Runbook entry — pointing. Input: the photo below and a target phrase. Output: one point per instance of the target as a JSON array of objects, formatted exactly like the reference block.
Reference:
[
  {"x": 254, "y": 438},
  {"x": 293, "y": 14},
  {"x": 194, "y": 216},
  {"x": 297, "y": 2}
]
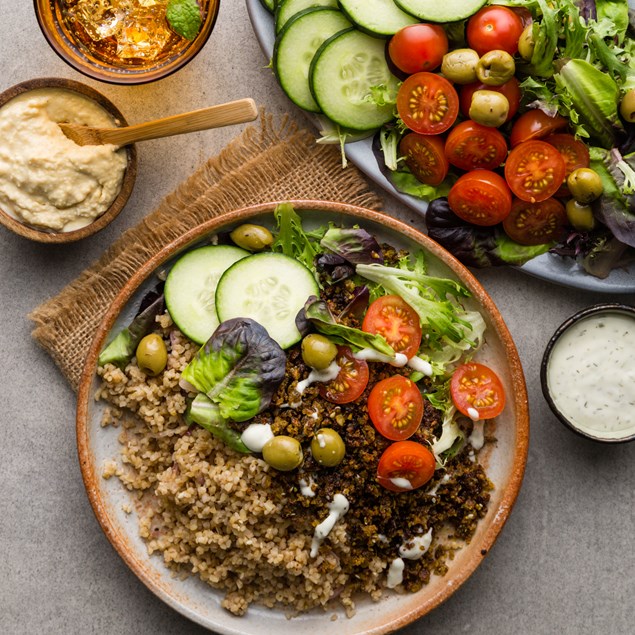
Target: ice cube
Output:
[
  {"x": 144, "y": 33},
  {"x": 100, "y": 18}
]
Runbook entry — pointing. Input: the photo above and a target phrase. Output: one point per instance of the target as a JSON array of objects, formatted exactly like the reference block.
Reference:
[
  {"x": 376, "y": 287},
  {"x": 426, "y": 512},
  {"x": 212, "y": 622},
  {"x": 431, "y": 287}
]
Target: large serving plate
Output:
[
  {"x": 504, "y": 460},
  {"x": 563, "y": 271}
]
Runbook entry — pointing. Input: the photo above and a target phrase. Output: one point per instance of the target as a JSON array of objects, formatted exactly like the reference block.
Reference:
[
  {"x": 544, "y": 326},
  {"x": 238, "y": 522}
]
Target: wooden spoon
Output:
[{"x": 233, "y": 112}]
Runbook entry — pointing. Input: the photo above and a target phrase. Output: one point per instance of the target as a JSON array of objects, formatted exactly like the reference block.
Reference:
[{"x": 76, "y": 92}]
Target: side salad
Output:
[
  {"x": 255, "y": 299},
  {"x": 515, "y": 119}
]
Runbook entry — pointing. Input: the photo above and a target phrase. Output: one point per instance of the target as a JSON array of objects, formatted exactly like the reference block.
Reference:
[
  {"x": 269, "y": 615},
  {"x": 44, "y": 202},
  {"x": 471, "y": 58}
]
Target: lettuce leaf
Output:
[{"x": 239, "y": 368}]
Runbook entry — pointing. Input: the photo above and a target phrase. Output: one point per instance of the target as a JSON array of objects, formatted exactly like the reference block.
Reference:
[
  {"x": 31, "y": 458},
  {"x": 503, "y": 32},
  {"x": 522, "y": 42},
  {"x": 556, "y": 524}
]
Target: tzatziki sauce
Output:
[{"x": 591, "y": 375}]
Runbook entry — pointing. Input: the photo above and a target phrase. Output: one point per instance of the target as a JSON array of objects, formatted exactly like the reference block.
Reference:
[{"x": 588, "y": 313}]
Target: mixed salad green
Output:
[{"x": 482, "y": 86}]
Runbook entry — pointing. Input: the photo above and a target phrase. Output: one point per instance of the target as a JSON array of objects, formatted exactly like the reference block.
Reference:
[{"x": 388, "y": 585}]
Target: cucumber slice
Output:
[
  {"x": 295, "y": 47},
  {"x": 190, "y": 289},
  {"x": 286, "y": 9},
  {"x": 381, "y": 18},
  {"x": 270, "y": 288},
  {"x": 441, "y": 10},
  {"x": 342, "y": 73},
  {"x": 270, "y": 5}
]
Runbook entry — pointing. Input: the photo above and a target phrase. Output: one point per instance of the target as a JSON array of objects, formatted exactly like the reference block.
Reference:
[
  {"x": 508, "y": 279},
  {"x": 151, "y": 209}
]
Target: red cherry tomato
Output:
[
  {"x": 534, "y": 171},
  {"x": 494, "y": 28},
  {"x": 480, "y": 197},
  {"x": 535, "y": 124},
  {"x": 405, "y": 465},
  {"x": 476, "y": 386},
  {"x": 418, "y": 47},
  {"x": 470, "y": 146},
  {"x": 575, "y": 155},
  {"x": 510, "y": 89},
  {"x": 427, "y": 103},
  {"x": 536, "y": 223},
  {"x": 397, "y": 322},
  {"x": 425, "y": 157},
  {"x": 351, "y": 381},
  {"x": 395, "y": 406}
]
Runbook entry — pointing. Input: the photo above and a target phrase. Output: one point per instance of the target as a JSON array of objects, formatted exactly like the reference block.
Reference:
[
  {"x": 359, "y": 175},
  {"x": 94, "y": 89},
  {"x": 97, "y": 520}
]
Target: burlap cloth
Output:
[{"x": 274, "y": 161}]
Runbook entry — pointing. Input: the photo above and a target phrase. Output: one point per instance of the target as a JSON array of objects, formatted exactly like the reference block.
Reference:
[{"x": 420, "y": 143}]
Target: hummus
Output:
[{"x": 47, "y": 180}]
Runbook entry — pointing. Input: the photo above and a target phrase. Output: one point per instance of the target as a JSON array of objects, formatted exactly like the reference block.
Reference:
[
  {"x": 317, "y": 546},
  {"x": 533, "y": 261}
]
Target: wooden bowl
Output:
[
  {"x": 505, "y": 460},
  {"x": 64, "y": 43},
  {"x": 44, "y": 236}
]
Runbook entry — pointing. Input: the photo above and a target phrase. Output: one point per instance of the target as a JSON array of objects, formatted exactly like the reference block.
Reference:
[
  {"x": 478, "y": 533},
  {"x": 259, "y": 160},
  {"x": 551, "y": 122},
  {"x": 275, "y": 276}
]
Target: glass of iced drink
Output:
[{"x": 127, "y": 41}]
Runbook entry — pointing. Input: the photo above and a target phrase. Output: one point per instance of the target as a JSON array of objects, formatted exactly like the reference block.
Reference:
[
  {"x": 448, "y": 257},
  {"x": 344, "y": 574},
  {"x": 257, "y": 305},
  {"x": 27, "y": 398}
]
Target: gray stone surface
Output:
[{"x": 563, "y": 564}]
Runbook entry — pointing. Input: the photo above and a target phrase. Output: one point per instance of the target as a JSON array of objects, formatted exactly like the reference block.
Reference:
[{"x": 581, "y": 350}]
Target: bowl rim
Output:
[
  {"x": 144, "y": 76},
  {"x": 582, "y": 314},
  {"x": 127, "y": 183},
  {"x": 351, "y": 212}
]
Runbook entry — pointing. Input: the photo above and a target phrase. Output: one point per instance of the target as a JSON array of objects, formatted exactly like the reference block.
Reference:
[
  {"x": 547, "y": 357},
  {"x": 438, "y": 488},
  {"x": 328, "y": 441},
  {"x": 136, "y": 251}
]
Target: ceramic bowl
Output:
[
  {"x": 44, "y": 236},
  {"x": 503, "y": 460},
  {"x": 549, "y": 391},
  {"x": 66, "y": 45}
]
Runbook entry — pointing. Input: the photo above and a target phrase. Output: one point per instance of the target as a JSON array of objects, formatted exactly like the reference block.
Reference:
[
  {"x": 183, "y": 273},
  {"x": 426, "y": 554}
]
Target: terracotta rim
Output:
[
  {"x": 91, "y": 478},
  {"x": 127, "y": 184},
  {"x": 65, "y": 48},
  {"x": 561, "y": 330}
]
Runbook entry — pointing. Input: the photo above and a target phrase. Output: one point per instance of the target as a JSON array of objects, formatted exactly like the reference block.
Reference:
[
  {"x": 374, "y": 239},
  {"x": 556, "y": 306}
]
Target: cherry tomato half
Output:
[
  {"x": 418, "y": 47},
  {"x": 351, "y": 380},
  {"x": 427, "y": 103},
  {"x": 395, "y": 406},
  {"x": 510, "y": 89},
  {"x": 575, "y": 155},
  {"x": 536, "y": 223},
  {"x": 480, "y": 197},
  {"x": 394, "y": 319},
  {"x": 476, "y": 386},
  {"x": 425, "y": 156},
  {"x": 405, "y": 465},
  {"x": 534, "y": 171},
  {"x": 535, "y": 124},
  {"x": 494, "y": 28},
  {"x": 470, "y": 146}
]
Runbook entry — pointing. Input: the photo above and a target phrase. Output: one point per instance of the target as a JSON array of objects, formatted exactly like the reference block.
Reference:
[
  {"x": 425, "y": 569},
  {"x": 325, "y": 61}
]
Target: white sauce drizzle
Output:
[
  {"x": 395, "y": 573},
  {"x": 472, "y": 413},
  {"x": 314, "y": 415},
  {"x": 382, "y": 538},
  {"x": 337, "y": 509},
  {"x": 420, "y": 365},
  {"x": 591, "y": 375},
  {"x": 326, "y": 375},
  {"x": 370, "y": 355},
  {"x": 414, "y": 548},
  {"x": 402, "y": 483},
  {"x": 306, "y": 487},
  {"x": 433, "y": 490},
  {"x": 256, "y": 435},
  {"x": 477, "y": 438}
]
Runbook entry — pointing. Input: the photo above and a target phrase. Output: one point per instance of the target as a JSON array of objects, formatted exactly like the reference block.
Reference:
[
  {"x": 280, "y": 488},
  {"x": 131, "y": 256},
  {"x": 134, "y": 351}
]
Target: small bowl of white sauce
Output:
[
  {"x": 588, "y": 373},
  {"x": 51, "y": 189}
]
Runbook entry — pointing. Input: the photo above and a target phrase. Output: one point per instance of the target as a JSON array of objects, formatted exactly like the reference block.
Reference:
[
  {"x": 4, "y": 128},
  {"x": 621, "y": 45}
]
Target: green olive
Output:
[
  {"x": 526, "y": 43},
  {"x": 460, "y": 66},
  {"x": 627, "y": 106},
  {"x": 318, "y": 351},
  {"x": 327, "y": 447},
  {"x": 152, "y": 355},
  {"x": 580, "y": 216},
  {"x": 489, "y": 108},
  {"x": 495, "y": 68},
  {"x": 252, "y": 237},
  {"x": 283, "y": 453},
  {"x": 585, "y": 185}
]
